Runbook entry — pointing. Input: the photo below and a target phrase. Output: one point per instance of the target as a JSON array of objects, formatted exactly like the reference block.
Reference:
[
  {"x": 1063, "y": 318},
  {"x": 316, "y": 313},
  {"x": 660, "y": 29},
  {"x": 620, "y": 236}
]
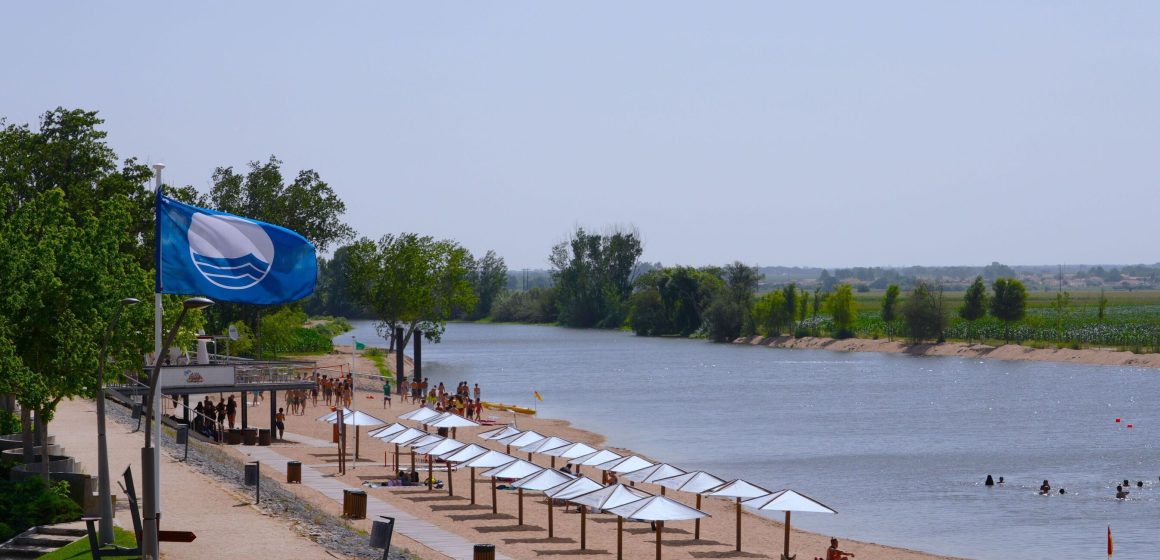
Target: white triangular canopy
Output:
[
  {"x": 388, "y": 430},
  {"x": 423, "y": 441},
  {"x": 737, "y": 489},
  {"x": 657, "y": 508},
  {"x": 625, "y": 464},
  {"x": 521, "y": 439},
  {"x": 787, "y": 500},
  {"x": 421, "y": 414},
  {"x": 610, "y": 497},
  {"x": 594, "y": 458},
  {"x": 694, "y": 482},
  {"x": 582, "y": 485},
  {"x": 546, "y": 444},
  {"x": 543, "y": 480},
  {"x": 440, "y": 447},
  {"x": 360, "y": 418},
  {"x": 654, "y": 473},
  {"x": 489, "y": 460},
  {"x": 449, "y": 420},
  {"x": 499, "y": 433},
  {"x": 464, "y": 454},
  {"x": 405, "y": 436},
  {"x": 571, "y": 451},
  {"x": 329, "y": 418},
  {"x": 516, "y": 469}
]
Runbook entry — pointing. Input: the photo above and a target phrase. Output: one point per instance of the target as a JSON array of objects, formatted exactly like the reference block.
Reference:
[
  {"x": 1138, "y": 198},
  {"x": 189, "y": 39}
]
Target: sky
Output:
[{"x": 771, "y": 133}]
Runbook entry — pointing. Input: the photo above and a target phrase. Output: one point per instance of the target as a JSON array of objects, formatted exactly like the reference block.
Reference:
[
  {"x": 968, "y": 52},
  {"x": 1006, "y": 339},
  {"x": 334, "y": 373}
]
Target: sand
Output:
[{"x": 1092, "y": 356}]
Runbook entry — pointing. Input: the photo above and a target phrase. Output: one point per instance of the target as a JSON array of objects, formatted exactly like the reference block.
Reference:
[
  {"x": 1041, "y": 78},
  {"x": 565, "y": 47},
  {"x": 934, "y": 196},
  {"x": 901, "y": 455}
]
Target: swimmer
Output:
[
  {"x": 1000, "y": 481},
  {"x": 990, "y": 481},
  {"x": 1120, "y": 493},
  {"x": 1062, "y": 491},
  {"x": 1139, "y": 484},
  {"x": 1044, "y": 489}
]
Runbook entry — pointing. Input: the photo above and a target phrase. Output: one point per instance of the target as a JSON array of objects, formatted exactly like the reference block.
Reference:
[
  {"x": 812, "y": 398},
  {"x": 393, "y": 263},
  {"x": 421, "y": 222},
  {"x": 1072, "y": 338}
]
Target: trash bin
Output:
[
  {"x": 182, "y": 435},
  {"x": 234, "y": 437},
  {"x": 250, "y": 436},
  {"x": 381, "y": 532},
  {"x": 354, "y": 504},
  {"x": 251, "y": 474},
  {"x": 294, "y": 472},
  {"x": 263, "y": 437},
  {"x": 484, "y": 552}
]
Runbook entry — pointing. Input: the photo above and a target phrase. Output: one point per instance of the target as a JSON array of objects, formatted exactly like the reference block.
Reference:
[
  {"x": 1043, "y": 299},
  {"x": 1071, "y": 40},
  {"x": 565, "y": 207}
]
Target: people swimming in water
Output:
[
  {"x": 1139, "y": 484},
  {"x": 990, "y": 481},
  {"x": 1121, "y": 494},
  {"x": 1000, "y": 481},
  {"x": 1044, "y": 489},
  {"x": 1062, "y": 491}
]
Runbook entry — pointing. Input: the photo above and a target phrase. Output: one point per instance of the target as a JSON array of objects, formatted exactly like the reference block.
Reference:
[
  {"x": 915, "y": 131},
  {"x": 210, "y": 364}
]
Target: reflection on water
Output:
[{"x": 899, "y": 445}]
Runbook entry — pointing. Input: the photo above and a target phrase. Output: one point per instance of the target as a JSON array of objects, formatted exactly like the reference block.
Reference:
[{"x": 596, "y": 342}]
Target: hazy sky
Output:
[{"x": 807, "y": 133}]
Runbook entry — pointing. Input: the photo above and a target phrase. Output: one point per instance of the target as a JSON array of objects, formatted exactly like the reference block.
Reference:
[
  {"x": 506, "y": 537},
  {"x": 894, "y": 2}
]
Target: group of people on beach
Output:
[
  {"x": 1045, "y": 488},
  {"x": 211, "y": 420},
  {"x": 336, "y": 391}
]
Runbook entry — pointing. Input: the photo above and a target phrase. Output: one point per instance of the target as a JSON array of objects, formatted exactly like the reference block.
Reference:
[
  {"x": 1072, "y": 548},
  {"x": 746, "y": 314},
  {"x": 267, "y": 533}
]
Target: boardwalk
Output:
[{"x": 406, "y": 524}]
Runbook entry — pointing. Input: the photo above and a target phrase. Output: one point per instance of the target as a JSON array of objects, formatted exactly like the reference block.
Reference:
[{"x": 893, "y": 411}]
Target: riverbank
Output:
[
  {"x": 1089, "y": 356},
  {"x": 762, "y": 537}
]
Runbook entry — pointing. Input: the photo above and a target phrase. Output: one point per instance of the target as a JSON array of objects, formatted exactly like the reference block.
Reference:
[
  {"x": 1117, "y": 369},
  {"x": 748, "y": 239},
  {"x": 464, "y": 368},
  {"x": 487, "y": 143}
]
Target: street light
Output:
[
  {"x": 105, "y": 499},
  {"x": 150, "y": 547}
]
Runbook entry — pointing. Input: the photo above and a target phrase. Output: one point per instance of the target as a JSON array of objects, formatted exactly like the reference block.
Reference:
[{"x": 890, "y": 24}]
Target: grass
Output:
[{"x": 80, "y": 550}]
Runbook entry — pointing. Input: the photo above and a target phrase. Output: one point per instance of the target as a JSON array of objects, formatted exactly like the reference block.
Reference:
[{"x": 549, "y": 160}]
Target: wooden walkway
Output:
[{"x": 416, "y": 529}]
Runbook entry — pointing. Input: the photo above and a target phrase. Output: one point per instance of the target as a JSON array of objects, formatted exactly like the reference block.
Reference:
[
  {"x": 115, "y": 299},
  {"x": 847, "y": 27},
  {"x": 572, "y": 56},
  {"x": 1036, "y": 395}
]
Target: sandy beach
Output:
[{"x": 1090, "y": 356}]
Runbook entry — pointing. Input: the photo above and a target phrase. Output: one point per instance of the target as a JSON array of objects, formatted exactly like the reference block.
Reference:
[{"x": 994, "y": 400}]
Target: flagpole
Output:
[{"x": 157, "y": 312}]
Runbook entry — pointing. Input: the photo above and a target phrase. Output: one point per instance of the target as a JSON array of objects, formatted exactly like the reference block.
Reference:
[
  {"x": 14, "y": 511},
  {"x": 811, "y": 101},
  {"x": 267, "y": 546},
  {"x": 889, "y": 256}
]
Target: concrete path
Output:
[{"x": 406, "y": 524}]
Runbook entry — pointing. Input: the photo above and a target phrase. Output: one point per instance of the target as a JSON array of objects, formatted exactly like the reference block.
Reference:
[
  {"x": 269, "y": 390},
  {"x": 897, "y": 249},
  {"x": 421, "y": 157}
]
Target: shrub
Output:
[{"x": 30, "y": 502}]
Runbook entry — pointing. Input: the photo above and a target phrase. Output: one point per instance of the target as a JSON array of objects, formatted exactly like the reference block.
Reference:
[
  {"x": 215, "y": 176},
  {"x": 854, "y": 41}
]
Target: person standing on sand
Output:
[
  {"x": 386, "y": 393},
  {"x": 475, "y": 392},
  {"x": 280, "y": 423}
]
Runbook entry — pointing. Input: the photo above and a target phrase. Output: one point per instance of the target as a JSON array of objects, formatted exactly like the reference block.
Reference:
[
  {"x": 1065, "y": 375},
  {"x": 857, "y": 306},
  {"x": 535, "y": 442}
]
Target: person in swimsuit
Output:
[
  {"x": 1044, "y": 489},
  {"x": 835, "y": 553}
]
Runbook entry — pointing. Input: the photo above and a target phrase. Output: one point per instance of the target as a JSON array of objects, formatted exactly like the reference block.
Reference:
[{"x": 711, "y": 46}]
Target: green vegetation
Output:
[
  {"x": 379, "y": 358},
  {"x": 80, "y": 550},
  {"x": 594, "y": 278},
  {"x": 32, "y": 501}
]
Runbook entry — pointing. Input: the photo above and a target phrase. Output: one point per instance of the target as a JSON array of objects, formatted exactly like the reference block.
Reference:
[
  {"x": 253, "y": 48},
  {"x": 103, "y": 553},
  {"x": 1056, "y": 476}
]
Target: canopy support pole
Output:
[
  {"x": 550, "y": 528},
  {"x": 787, "y": 534},
  {"x": 697, "y": 523},
  {"x": 619, "y": 538},
  {"x": 738, "y": 524},
  {"x": 494, "y": 508},
  {"x": 521, "y": 508},
  {"x": 583, "y": 527},
  {"x": 660, "y": 527},
  {"x": 472, "y": 485}
]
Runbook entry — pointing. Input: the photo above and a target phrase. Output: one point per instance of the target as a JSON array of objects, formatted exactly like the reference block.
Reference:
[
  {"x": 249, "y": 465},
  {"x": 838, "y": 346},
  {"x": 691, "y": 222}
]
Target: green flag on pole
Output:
[{"x": 359, "y": 346}]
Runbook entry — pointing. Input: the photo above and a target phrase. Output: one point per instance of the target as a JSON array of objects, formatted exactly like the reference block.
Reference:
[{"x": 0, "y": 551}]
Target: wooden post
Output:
[
  {"x": 399, "y": 362},
  {"x": 697, "y": 523},
  {"x": 787, "y": 534},
  {"x": 494, "y": 508},
  {"x": 521, "y": 508},
  {"x": 550, "y": 531},
  {"x": 619, "y": 538},
  {"x": 450, "y": 479},
  {"x": 660, "y": 527},
  {"x": 472, "y": 485},
  {"x": 583, "y": 527},
  {"x": 739, "y": 524}
]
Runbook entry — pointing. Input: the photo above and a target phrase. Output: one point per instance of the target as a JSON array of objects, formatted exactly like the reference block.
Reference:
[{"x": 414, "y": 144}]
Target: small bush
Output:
[{"x": 30, "y": 502}]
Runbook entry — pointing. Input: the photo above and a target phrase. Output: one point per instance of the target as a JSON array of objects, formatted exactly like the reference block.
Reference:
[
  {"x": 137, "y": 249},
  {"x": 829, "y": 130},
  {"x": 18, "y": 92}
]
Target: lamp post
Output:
[
  {"x": 150, "y": 484},
  {"x": 104, "y": 498}
]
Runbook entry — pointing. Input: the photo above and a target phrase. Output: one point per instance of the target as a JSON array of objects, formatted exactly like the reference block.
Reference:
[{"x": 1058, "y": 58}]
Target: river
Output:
[{"x": 898, "y": 444}]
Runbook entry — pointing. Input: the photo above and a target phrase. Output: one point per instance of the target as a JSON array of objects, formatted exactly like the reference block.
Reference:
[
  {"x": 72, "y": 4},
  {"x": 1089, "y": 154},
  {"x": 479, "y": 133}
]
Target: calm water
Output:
[{"x": 899, "y": 445}]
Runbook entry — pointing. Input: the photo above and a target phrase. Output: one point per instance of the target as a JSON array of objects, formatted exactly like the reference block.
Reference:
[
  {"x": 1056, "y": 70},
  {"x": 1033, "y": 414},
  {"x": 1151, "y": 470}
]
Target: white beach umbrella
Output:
[
  {"x": 546, "y": 444},
  {"x": 406, "y": 436},
  {"x": 594, "y": 458},
  {"x": 657, "y": 509},
  {"x": 433, "y": 449},
  {"x": 580, "y": 486},
  {"x": 449, "y": 420},
  {"x": 358, "y": 419},
  {"x": 499, "y": 433},
  {"x": 696, "y": 482},
  {"x": 465, "y": 453},
  {"x": 540, "y": 481},
  {"x": 741, "y": 490},
  {"x": 514, "y": 470},
  {"x": 488, "y": 460},
  {"x": 425, "y": 440},
  {"x": 570, "y": 451},
  {"x": 521, "y": 439},
  {"x": 651, "y": 474},
  {"x": 420, "y": 415},
  {"x": 606, "y": 497},
  {"x": 787, "y": 501},
  {"x": 388, "y": 430},
  {"x": 625, "y": 464}
]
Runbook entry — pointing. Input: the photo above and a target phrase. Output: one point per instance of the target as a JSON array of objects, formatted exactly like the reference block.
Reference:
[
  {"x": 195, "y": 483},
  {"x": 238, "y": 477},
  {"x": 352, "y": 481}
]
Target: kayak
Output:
[{"x": 511, "y": 407}]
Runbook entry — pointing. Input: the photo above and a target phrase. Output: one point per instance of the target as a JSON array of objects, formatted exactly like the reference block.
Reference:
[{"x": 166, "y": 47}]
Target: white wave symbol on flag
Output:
[{"x": 230, "y": 252}]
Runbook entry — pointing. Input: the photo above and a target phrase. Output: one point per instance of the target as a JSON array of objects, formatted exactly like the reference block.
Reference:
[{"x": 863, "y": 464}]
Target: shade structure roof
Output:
[
  {"x": 423, "y": 441},
  {"x": 543, "y": 480},
  {"x": 440, "y": 447},
  {"x": 737, "y": 489},
  {"x": 329, "y": 417},
  {"x": 360, "y": 418},
  {"x": 388, "y": 430},
  {"x": 521, "y": 439},
  {"x": 653, "y": 473},
  {"x": 695, "y": 482},
  {"x": 582, "y": 485},
  {"x": 462, "y": 454},
  {"x": 625, "y": 464},
  {"x": 546, "y": 444},
  {"x": 610, "y": 496},
  {"x": 449, "y": 420},
  {"x": 516, "y": 469},
  {"x": 421, "y": 414},
  {"x": 489, "y": 460},
  {"x": 570, "y": 451},
  {"x": 787, "y": 500},
  {"x": 657, "y": 508},
  {"x": 499, "y": 433},
  {"x": 594, "y": 458},
  {"x": 405, "y": 436}
]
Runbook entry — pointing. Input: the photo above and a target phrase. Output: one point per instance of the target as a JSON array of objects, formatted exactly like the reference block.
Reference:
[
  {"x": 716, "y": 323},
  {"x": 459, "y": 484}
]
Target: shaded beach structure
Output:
[
  {"x": 515, "y": 470},
  {"x": 433, "y": 451},
  {"x": 787, "y": 501},
  {"x": 740, "y": 490},
  {"x": 608, "y": 497},
  {"x": 542, "y": 481},
  {"x": 463, "y": 454},
  {"x": 521, "y": 439},
  {"x": 653, "y": 473},
  {"x": 544, "y": 445},
  {"x": 488, "y": 460},
  {"x": 696, "y": 482},
  {"x": 656, "y": 509}
]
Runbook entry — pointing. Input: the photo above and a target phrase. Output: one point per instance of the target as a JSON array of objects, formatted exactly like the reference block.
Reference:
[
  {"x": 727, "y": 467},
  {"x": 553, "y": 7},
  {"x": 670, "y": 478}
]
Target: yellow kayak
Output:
[{"x": 511, "y": 407}]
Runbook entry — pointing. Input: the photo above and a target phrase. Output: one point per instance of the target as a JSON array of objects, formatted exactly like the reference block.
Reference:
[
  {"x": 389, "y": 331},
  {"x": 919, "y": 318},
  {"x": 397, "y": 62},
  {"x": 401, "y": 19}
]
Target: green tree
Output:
[
  {"x": 724, "y": 319},
  {"x": 410, "y": 281},
  {"x": 1103, "y": 306},
  {"x": 922, "y": 313},
  {"x": 488, "y": 277},
  {"x": 1009, "y": 303},
  {"x": 769, "y": 314},
  {"x": 790, "y": 295},
  {"x": 649, "y": 316},
  {"x": 684, "y": 292},
  {"x": 593, "y": 276},
  {"x": 889, "y": 309},
  {"x": 843, "y": 311},
  {"x": 974, "y": 304}
]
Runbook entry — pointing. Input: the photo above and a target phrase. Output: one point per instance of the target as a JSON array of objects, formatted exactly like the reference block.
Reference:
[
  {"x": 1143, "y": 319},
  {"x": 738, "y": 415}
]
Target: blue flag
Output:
[{"x": 229, "y": 258}]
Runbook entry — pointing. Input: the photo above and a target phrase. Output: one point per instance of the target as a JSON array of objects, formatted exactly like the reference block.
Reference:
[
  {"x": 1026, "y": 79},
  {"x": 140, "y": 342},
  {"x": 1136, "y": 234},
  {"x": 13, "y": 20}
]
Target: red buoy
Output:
[
  {"x": 1129, "y": 425},
  {"x": 1117, "y": 420}
]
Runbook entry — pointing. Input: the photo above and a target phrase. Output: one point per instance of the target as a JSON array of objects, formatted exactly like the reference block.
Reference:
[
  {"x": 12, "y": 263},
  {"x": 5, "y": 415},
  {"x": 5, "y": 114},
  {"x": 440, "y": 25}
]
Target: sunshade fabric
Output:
[
  {"x": 737, "y": 489},
  {"x": 448, "y": 420},
  {"x": 421, "y": 414},
  {"x": 625, "y": 464},
  {"x": 426, "y": 440},
  {"x": 582, "y": 485},
  {"x": 441, "y": 447},
  {"x": 594, "y": 458},
  {"x": 516, "y": 469},
  {"x": 521, "y": 439},
  {"x": 610, "y": 497},
  {"x": 489, "y": 460},
  {"x": 543, "y": 480},
  {"x": 570, "y": 451},
  {"x": 657, "y": 508},
  {"x": 499, "y": 433},
  {"x": 462, "y": 454},
  {"x": 695, "y": 482},
  {"x": 360, "y": 418},
  {"x": 787, "y": 500},
  {"x": 387, "y": 430},
  {"x": 546, "y": 444},
  {"x": 406, "y": 436},
  {"x": 653, "y": 473}
]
